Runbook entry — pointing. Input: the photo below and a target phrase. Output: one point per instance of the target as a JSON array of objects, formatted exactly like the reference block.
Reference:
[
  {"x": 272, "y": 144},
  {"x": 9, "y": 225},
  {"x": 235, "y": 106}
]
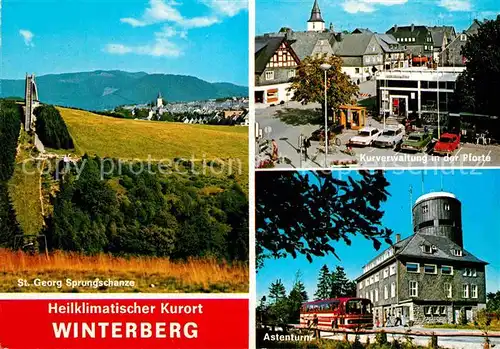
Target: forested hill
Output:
[{"x": 100, "y": 89}]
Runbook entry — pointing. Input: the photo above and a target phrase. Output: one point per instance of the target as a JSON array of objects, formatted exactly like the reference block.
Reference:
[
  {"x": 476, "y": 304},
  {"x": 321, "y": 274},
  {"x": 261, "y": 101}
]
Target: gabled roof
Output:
[
  {"x": 361, "y": 31},
  {"x": 354, "y": 45},
  {"x": 388, "y": 43},
  {"x": 303, "y": 43},
  {"x": 265, "y": 47}
]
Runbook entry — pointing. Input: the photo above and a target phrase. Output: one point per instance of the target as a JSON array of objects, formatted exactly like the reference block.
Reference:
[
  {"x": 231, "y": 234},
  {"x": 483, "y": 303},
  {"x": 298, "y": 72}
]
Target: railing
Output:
[{"x": 433, "y": 334}]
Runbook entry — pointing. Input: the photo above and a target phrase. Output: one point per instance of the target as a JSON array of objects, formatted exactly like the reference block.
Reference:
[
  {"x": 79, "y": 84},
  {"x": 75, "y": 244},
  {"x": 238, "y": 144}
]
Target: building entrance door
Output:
[{"x": 399, "y": 106}]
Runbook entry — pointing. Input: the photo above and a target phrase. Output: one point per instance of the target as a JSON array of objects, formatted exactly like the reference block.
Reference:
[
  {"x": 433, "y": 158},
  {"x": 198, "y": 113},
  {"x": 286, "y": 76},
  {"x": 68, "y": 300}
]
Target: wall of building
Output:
[
  {"x": 281, "y": 75},
  {"x": 283, "y": 93}
]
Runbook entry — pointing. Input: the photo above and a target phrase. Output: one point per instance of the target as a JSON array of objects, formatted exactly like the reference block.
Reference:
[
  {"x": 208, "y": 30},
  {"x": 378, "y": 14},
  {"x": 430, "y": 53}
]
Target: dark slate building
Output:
[
  {"x": 428, "y": 277},
  {"x": 417, "y": 40},
  {"x": 452, "y": 54}
]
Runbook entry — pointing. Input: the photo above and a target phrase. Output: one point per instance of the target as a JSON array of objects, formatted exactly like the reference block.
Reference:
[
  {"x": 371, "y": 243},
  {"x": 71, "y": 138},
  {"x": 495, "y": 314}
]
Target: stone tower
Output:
[
  {"x": 316, "y": 22},
  {"x": 31, "y": 102},
  {"x": 159, "y": 100}
]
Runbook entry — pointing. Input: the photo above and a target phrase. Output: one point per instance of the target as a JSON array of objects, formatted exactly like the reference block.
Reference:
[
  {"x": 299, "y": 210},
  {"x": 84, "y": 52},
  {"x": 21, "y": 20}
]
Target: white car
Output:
[
  {"x": 365, "y": 136},
  {"x": 391, "y": 136}
]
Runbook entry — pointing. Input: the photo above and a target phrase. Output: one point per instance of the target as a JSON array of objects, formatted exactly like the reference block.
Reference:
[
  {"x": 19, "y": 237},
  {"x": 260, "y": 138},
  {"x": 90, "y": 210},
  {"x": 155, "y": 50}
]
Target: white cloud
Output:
[
  {"x": 353, "y": 6},
  {"x": 162, "y": 46},
  {"x": 28, "y": 37},
  {"x": 456, "y": 5},
  {"x": 159, "y": 11},
  {"x": 227, "y": 7},
  {"x": 366, "y": 6}
]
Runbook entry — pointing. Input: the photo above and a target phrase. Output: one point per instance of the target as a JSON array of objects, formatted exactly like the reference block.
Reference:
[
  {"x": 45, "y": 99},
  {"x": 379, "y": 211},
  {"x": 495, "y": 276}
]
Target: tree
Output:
[
  {"x": 493, "y": 301},
  {"x": 308, "y": 213},
  {"x": 297, "y": 296},
  {"x": 340, "y": 283},
  {"x": 324, "y": 287},
  {"x": 477, "y": 86},
  {"x": 277, "y": 291},
  {"x": 309, "y": 83}
]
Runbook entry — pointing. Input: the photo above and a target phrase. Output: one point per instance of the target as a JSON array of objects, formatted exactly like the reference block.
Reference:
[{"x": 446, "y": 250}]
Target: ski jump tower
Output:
[{"x": 31, "y": 102}]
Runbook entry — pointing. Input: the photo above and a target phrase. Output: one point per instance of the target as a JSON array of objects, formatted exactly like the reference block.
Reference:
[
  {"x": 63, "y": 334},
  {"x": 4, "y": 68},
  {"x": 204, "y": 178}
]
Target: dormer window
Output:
[
  {"x": 463, "y": 37},
  {"x": 425, "y": 209},
  {"x": 427, "y": 249},
  {"x": 457, "y": 252},
  {"x": 447, "y": 207}
]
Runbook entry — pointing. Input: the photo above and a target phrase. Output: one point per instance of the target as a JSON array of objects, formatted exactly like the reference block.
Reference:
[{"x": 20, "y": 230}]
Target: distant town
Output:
[
  {"x": 222, "y": 111},
  {"x": 408, "y": 89}
]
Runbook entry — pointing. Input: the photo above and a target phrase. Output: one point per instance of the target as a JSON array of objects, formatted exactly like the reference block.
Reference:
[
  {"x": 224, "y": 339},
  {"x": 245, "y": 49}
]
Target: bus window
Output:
[{"x": 358, "y": 306}]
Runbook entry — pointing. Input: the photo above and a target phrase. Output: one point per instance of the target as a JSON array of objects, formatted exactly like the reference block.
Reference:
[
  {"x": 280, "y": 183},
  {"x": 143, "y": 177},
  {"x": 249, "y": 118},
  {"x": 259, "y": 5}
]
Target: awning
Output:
[{"x": 419, "y": 59}]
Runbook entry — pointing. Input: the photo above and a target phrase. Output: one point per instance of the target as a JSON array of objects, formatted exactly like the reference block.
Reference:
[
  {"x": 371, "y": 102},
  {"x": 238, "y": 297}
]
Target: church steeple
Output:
[{"x": 316, "y": 22}]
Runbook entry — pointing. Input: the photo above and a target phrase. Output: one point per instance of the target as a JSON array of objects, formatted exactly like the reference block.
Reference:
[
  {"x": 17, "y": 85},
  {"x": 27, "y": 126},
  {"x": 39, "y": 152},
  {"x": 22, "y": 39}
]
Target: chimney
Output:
[
  {"x": 412, "y": 27},
  {"x": 398, "y": 238},
  {"x": 339, "y": 36},
  {"x": 331, "y": 27},
  {"x": 395, "y": 27}
]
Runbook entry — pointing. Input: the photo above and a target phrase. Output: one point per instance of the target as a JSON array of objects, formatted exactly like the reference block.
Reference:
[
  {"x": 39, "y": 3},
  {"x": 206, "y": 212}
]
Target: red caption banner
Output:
[{"x": 123, "y": 324}]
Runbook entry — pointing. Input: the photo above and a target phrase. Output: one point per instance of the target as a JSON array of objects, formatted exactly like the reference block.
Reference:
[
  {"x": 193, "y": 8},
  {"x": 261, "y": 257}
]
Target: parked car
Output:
[
  {"x": 417, "y": 141},
  {"x": 391, "y": 136},
  {"x": 365, "y": 136},
  {"x": 446, "y": 144},
  {"x": 332, "y": 131}
]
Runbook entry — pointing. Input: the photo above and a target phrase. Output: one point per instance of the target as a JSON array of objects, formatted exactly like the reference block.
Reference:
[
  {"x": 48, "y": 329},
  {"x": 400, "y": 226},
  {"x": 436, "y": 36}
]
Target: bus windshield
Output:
[
  {"x": 321, "y": 306},
  {"x": 358, "y": 306}
]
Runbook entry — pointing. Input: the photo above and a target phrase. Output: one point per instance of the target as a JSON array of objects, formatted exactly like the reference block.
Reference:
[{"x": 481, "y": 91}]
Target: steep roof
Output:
[
  {"x": 316, "y": 13},
  {"x": 303, "y": 43},
  {"x": 361, "y": 31},
  {"x": 265, "y": 47},
  {"x": 353, "y": 45},
  {"x": 388, "y": 43}
]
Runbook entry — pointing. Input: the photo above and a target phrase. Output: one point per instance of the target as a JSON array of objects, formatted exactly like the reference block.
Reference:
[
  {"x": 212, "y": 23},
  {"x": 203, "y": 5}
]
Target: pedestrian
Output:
[
  {"x": 398, "y": 319},
  {"x": 306, "y": 143},
  {"x": 274, "y": 155}
]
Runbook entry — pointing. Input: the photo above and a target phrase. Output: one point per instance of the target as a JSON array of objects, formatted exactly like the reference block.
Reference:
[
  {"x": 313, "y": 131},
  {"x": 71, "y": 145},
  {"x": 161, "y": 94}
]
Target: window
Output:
[
  {"x": 470, "y": 272},
  {"x": 376, "y": 295},
  {"x": 447, "y": 207},
  {"x": 463, "y": 37},
  {"x": 413, "y": 289},
  {"x": 393, "y": 290},
  {"x": 446, "y": 270},
  {"x": 412, "y": 267},
  {"x": 437, "y": 310},
  {"x": 427, "y": 249},
  {"x": 448, "y": 290},
  {"x": 367, "y": 282},
  {"x": 371, "y": 295},
  {"x": 465, "y": 291},
  {"x": 386, "y": 273},
  {"x": 371, "y": 280},
  {"x": 457, "y": 252},
  {"x": 361, "y": 285},
  {"x": 428, "y": 310},
  {"x": 356, "y": 70},
  {"x": 291, "y": 73},
  {"x": 443, "y": 310},
  {"x": 392, "y": 269},
  {"x": 377, "y": 277},
  {"x": 366, "y": 295},
  {"x": 473, "y": 291},
  {"x": 430, "y": 269},
  {"x": 269, "y": 75},
  {"x": 386, "y": 291},
  {"x": 425, "y": 209}
]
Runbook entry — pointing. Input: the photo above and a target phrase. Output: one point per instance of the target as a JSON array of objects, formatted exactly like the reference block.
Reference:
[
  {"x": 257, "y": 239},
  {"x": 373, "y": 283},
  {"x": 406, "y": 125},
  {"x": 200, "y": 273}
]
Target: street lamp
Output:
[
  {"x": 439, "y": 74},
  {"x": 325, "y": 67}
]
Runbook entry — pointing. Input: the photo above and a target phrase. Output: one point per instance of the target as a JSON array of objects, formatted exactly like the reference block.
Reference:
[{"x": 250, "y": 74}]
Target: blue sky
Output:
[
  {"x": 479, "y": 192},
  {"x": 204, "y": 38},
  {"x": 378, "y": 15}
]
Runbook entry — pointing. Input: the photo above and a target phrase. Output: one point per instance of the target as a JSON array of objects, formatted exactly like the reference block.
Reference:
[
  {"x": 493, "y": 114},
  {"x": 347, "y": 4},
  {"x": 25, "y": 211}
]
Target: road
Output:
[
  {"x": 285, "y": 127},
  {"x": 446, "y": 342}
]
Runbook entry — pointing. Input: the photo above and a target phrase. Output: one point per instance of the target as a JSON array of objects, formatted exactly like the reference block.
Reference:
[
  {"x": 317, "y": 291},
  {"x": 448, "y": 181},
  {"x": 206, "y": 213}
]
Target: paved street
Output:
[
  {"x": 446, "y": 342},
  {"x": 285, "y": 125}
]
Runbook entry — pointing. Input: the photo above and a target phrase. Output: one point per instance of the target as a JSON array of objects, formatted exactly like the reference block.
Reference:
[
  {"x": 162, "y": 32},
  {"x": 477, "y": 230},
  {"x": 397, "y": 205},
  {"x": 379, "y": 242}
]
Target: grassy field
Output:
[
  {"x": 138, "y": 139},
  {"x": 24, "y": 189},
  {"x": 149, "y": 274}
]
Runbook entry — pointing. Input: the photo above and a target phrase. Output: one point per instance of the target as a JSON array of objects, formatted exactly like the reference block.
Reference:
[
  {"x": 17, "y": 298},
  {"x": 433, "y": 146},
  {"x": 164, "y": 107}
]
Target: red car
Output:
[{"x": 447, "y": 144}]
